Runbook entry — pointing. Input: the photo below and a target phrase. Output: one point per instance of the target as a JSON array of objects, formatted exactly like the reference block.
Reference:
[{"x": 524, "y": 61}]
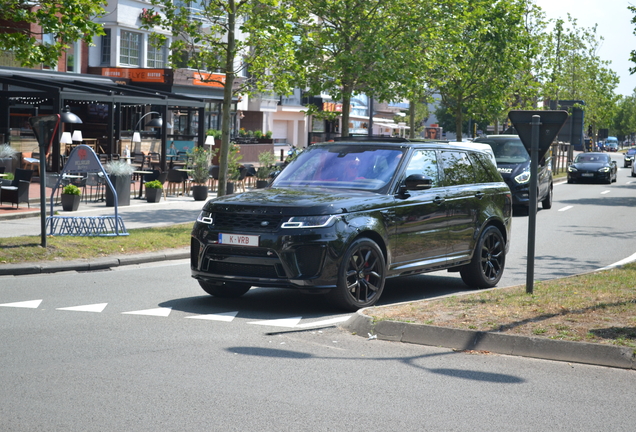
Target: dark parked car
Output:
[
  {"x": 628, "y": 157},
  {"x": 592, "y": 167},
  {"x": 513, "y": 163},
  {"x": 344, "y": 216}
]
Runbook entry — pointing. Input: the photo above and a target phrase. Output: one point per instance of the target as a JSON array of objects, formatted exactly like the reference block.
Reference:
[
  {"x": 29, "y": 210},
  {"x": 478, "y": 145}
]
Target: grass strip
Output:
[{"x": 25, "y": 249}]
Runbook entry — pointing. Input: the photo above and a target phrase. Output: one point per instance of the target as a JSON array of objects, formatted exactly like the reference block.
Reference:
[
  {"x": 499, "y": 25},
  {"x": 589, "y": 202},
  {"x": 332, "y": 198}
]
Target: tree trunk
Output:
[
  {"x": 346, "y": 108},
  {"x": 412, "y": 104},
  {"x": 227, "y": 97},
  {"x": 458, "y": 119}
]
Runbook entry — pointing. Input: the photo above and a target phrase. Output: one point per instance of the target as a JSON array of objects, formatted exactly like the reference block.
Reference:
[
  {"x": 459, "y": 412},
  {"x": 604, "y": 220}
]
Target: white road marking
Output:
[
  {"x": 620, "y": 263},
  {"x": 605, "y": 192},
  {"x": 566, "y": 208},
  {"x": 31, "y": 304},
  {"x": 224, "y": 316},
  {"x": 162, "y": 312},
  {"x": 282, "y": 322},
  {"x": 324, "y": 322},
  {"x": 98, "y": 307}
]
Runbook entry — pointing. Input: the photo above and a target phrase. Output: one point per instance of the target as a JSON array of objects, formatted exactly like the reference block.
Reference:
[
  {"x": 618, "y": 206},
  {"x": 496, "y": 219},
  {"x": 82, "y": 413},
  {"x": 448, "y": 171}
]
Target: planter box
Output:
[
  {"x": 260, "y": 184},
  {"x": 153, "y": 194},
  {"x": 122, "y": 187},
  {"x": 70, "y": 202},
  {"x": 200, "y": 192}
]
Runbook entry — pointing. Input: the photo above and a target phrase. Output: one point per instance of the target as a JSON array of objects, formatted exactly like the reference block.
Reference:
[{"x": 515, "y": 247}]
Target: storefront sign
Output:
[
  {"x": 208, "y": 79},
  {"x": 332, "y": 106},
  {"x": 136, "y": 75}
]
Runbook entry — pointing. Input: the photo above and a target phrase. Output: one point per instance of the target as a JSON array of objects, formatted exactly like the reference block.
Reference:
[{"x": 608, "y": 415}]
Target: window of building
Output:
[
  {"x": 156, "y": 56},
  {"x": 106, "y": 48},
  {"x": 130, "y": 48}
]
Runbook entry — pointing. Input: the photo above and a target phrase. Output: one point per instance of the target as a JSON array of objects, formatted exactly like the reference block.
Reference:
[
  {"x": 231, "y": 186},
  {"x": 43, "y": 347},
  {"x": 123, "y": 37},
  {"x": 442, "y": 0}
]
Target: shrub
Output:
[
  {"x": 6, "y": 151},
  {"x": 267, "y": 159},
  {"x": 154, "y": 184},
  {"x": 71, "y": 190},
  {"x": 119, "y": 168}
]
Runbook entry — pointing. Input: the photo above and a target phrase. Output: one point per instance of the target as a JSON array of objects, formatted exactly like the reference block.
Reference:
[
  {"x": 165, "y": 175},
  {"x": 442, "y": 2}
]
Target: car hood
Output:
[
  {"x": 589, "y": 166},
  {"x": 290, "y": 201},
  {"x": 510, "y": 171}
]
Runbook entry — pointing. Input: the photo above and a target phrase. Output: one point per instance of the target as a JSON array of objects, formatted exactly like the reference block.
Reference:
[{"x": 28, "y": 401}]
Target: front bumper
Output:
[
  {"x": 287, "y": 258},
  {"x": 583, "y": 176}
]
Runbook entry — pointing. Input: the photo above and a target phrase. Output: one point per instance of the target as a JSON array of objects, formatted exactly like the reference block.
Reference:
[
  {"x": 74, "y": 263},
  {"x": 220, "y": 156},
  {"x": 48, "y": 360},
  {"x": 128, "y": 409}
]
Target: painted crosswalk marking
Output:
[
  {"x": 223, "y": 316},
  {"x": 324, "y": 322},
  {"x": 281, "y": 322},
  {"x": 98, "y": 307},
  {"x": 161, "y": 312},
  {"x": 30, "y": 304}
]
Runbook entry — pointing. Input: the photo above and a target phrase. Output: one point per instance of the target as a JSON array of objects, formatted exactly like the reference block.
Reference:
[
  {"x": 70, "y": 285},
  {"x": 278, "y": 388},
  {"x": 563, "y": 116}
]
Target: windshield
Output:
[
  {"x": 591, "y": 158},
  {"x": 509, "y": 151},
  {"x": 342, "y": 166}
]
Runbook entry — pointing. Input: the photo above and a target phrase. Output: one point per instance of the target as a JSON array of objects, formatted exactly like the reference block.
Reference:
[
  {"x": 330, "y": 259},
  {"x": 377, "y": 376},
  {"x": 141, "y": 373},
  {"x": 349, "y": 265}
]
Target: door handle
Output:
[
  {"x": 479, "y": 195},
  {"x": 439, "y": 200}
]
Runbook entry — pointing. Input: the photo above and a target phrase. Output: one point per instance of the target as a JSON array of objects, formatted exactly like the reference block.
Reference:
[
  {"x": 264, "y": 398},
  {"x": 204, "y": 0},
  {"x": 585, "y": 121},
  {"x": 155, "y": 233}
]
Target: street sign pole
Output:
[
  {"x": 532, "y": 208},
  {"x": 537, "y": 130}
]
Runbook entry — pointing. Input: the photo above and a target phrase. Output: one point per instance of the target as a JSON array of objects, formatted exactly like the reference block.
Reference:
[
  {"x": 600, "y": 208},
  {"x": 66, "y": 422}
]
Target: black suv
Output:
[
  {"x": 344, "y": 216},
  {"x": 513, "y": 163}
]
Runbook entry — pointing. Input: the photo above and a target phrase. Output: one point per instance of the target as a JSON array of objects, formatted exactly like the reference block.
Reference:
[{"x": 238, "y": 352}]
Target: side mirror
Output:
[{"x": 418, "y": 182}]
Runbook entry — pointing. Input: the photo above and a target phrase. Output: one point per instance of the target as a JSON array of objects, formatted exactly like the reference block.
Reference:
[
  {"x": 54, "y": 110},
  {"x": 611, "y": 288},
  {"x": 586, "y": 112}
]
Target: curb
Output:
[
  {"x": 97, "y": 264},
  {"x": 547, "y": 349}
]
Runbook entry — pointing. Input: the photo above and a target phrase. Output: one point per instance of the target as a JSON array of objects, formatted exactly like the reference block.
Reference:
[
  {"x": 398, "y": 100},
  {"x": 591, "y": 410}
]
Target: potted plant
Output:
[
  {"x": 119, "y": 173},
  {"x": 258, "y": 134},
  {"x": 7, "y": 157},
  {"x": 200, "y": 172},
  {"x": 266, "y": 159},
  {"x": 233, "y": 166},
  {"x": 71, "y": 197},
  {"x": 154, "y": 190}
]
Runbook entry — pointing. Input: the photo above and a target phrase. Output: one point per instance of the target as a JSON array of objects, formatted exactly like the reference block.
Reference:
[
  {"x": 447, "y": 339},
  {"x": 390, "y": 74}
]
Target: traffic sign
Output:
[{"x": 551, "y": 124}]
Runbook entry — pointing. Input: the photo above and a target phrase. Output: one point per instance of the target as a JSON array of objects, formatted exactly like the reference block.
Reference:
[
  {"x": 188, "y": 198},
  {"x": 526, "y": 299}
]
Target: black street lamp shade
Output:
[
  {"x": 155, "y": 122},
  {"x": 68, "y": 117}
]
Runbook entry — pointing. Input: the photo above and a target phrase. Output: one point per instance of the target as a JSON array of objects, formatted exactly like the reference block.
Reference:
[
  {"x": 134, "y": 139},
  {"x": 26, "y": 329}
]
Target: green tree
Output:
[
  {"x": 570, "y": 69},
  {"x": 353, "y": 46},
  {"x": 483, "y": 51},
  {"x": 249, "y": 41},
  {"x": 22, "y": 24},
  {"x": 625, "y": 119}
]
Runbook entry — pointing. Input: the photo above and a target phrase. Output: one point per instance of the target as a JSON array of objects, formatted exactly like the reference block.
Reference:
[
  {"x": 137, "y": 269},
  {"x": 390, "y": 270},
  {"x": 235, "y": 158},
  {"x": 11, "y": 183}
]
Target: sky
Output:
[{"x": 614, "y": 25}]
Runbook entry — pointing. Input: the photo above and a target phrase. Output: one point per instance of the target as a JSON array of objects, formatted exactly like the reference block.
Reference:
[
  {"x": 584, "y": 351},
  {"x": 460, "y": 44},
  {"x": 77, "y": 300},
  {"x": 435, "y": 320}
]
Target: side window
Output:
[
  {"x": 424, "y": 162},
  {"x": 485, "y": 170},
  {"x": 457, "y": 168}
]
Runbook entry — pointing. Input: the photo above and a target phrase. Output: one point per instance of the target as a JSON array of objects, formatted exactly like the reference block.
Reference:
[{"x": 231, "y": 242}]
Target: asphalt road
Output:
[{"x": 143, "y": 348}]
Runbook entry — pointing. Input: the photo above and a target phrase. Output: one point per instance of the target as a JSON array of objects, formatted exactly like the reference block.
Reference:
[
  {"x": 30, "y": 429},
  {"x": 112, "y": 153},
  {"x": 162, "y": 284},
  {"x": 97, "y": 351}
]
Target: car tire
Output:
[
  {"x": 546, "y": 204},
  {"x": 488, "y": 262},
  {"x": 225, "y": 290},
  {"x": 361, "y": 276}
]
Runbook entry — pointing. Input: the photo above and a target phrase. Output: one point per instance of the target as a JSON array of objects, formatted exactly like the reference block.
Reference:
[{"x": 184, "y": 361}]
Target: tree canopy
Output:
[{"x": 22, "y": 24}]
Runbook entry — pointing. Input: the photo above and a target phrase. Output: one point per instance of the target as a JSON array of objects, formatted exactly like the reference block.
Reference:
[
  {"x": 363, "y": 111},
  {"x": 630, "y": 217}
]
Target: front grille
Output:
[
  {"x": 248, "y": 270},
  {"x": 236, "y": 251},
  {"x": 248, "y": 222}
]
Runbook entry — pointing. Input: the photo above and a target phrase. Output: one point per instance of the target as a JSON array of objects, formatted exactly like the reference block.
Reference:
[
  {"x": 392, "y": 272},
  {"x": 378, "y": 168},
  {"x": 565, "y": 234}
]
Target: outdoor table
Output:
[
  {"x": 141, "y": 181},
  {"x": 4, "y": 175}
]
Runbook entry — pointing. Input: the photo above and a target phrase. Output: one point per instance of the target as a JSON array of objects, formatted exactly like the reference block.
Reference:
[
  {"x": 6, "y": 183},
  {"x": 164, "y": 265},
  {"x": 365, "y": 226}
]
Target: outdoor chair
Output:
[
  {"x": 176, "y": 178},
  {"x": 97, "y": 182},
  {"x": 18, "y": 189},
  {"x": 213, "y": 171}
]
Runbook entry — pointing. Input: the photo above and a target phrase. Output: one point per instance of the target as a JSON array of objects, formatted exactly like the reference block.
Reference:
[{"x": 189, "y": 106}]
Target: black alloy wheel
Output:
[
  {"x": 360, "y": 276},
  {"x": 546, "y": 204},
  {"x": 487, "y": 266},
  {"x": 225, "y": 290}
]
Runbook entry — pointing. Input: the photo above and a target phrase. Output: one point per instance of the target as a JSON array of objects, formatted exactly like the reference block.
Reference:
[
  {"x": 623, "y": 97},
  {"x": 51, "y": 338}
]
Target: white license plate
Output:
[
  {"x": 587, "y": 175},
  {"x": 238, "y": 239}
]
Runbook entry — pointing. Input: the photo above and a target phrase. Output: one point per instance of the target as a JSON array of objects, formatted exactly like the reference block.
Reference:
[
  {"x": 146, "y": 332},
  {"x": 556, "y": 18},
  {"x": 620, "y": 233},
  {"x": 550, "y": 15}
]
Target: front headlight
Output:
[
  {"x": 205, "y": 217},
  {"x": 572, "y": 169},
  {"x": 524, "y": 177},
  {"x": 604, "y": 169},
  {"x": 309, "y": 221}
]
